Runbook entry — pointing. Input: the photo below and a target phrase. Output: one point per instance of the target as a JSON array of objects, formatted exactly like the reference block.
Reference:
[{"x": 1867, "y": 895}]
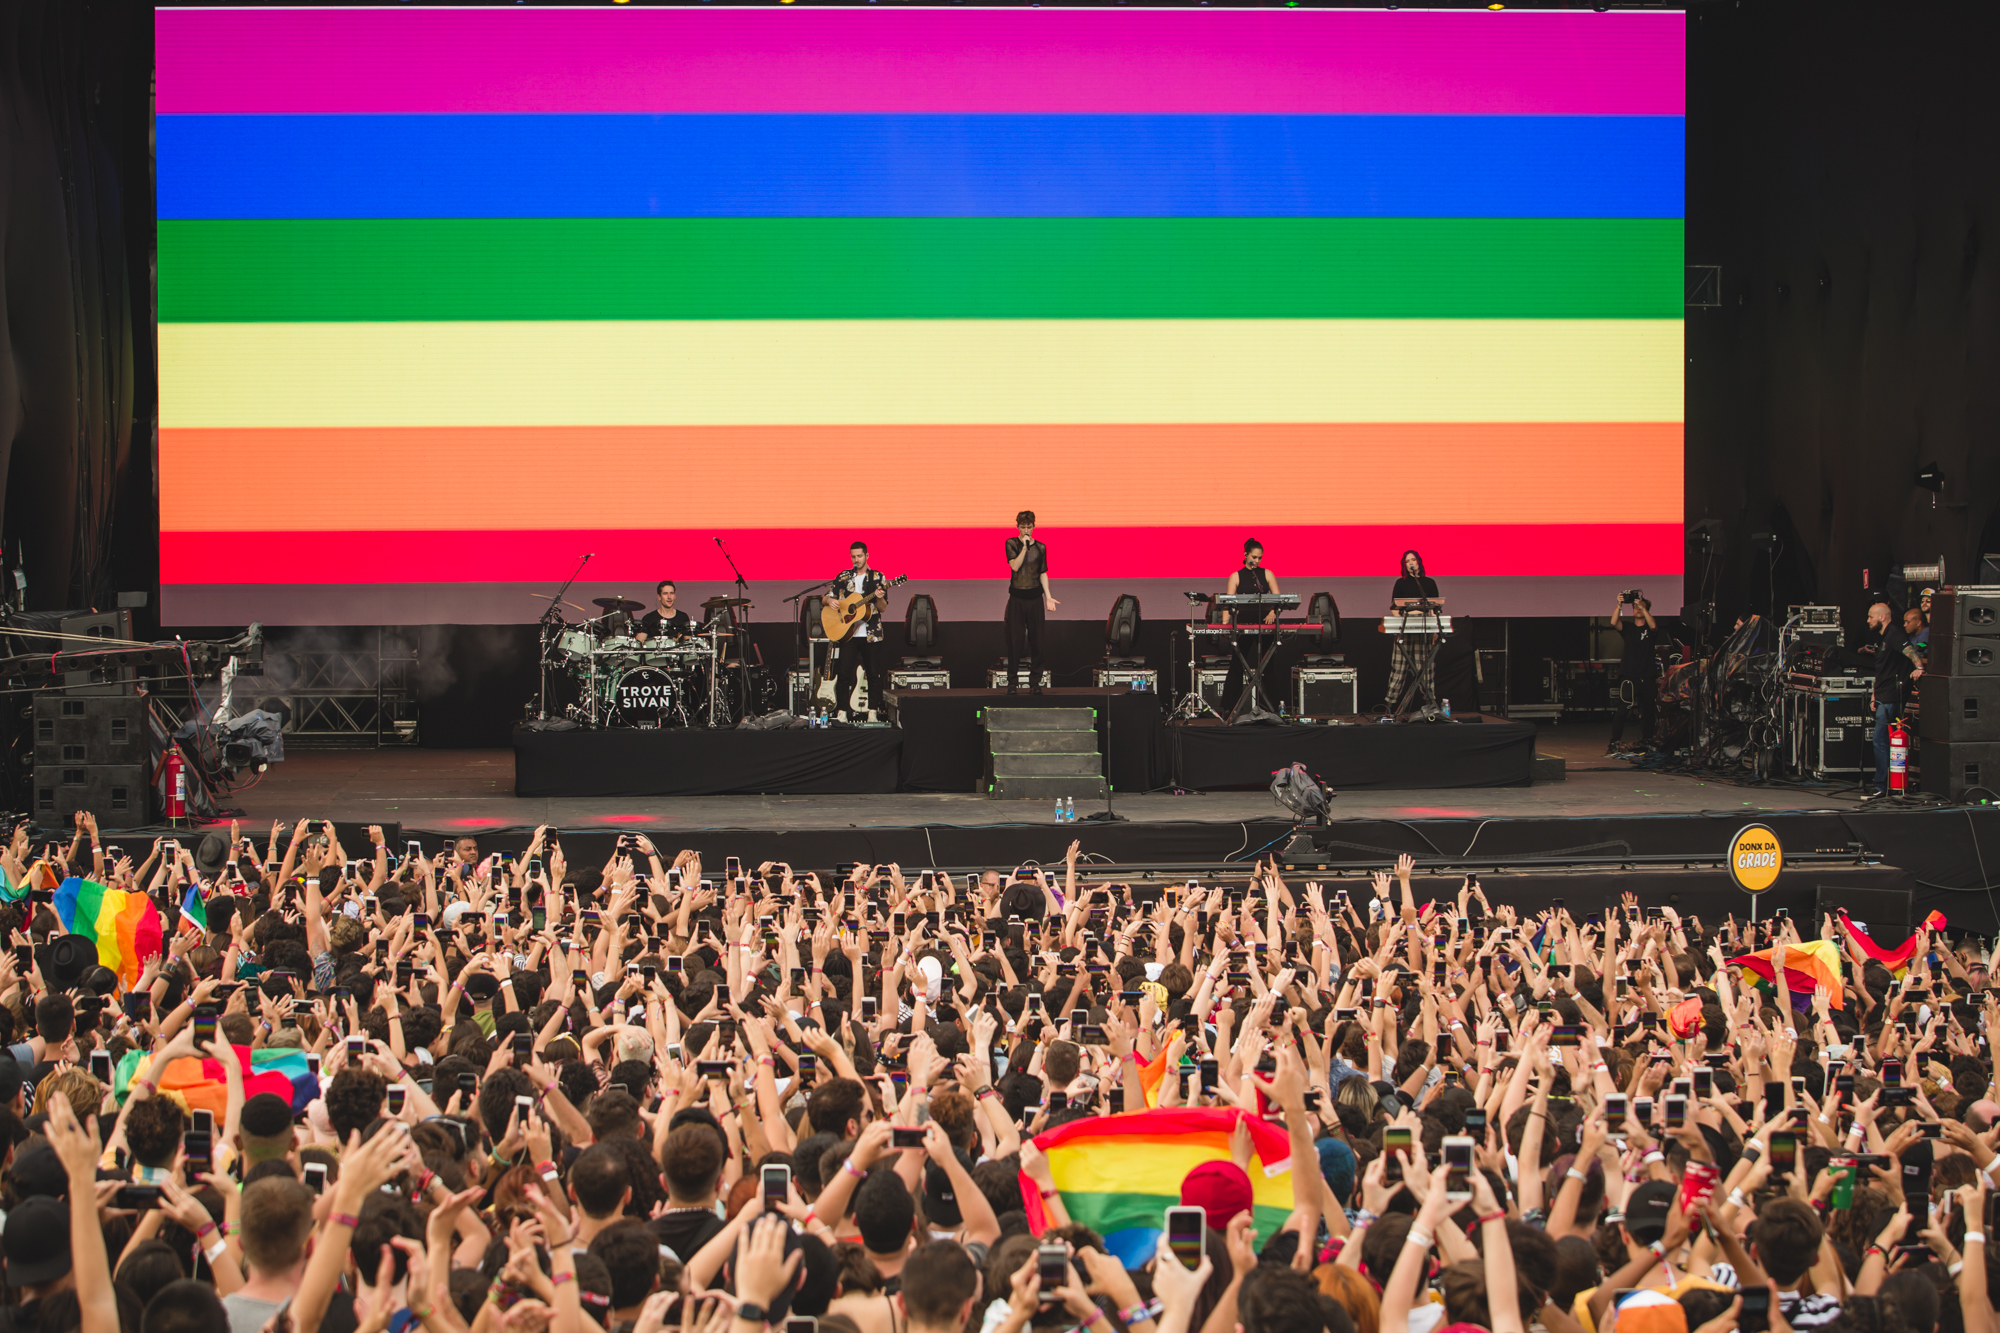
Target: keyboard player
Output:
[
  {"x": 1252, "y": 578},
  {"x": 1414, "y": 654}
]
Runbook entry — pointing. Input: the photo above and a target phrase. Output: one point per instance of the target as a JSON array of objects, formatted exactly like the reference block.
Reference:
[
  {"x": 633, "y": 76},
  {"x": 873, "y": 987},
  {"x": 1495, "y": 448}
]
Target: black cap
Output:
[
  {"x": 1646, "y": 1210},
  {"x": 37, "y": 1242},
  {"x": 939, "y": 1201}
]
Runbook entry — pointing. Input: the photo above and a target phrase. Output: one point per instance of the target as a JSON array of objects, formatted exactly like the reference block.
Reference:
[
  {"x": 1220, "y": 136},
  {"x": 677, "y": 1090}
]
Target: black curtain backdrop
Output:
[
  {"x": 77, "y": 378},
  {"x": 1844, "y": 172}
]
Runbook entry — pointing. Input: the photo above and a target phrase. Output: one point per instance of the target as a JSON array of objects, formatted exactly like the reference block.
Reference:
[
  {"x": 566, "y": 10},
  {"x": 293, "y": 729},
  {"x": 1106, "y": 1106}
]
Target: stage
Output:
[
  {"x": 1608, "y": 828},
  {"x": 940, "y": 746}
]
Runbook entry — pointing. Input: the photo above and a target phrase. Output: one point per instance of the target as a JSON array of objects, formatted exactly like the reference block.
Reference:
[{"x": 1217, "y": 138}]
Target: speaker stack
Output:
[
  {"x": 93, "y": 739},
  {"x": 1959, "y": 695}
]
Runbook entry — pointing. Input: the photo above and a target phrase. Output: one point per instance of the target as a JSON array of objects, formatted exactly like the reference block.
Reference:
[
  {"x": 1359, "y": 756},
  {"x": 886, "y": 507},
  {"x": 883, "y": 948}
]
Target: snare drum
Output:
[{"x": 645, "y": 696}]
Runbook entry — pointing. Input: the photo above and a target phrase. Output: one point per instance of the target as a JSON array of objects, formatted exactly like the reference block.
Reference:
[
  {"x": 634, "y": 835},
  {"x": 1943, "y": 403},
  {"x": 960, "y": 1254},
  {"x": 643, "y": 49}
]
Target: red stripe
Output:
[{"x": 1513, "y": 549}]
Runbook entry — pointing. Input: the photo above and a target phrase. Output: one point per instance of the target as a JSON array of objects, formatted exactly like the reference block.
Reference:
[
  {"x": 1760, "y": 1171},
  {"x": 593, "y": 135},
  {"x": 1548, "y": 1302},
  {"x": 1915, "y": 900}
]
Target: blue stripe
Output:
[{"x": 920, "y": 166}]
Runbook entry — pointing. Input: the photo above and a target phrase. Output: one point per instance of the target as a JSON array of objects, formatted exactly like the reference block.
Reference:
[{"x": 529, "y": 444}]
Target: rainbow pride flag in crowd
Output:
[
  {"x": 204, "y": 1085},
  {"x": 1119, "y": 1174},
  {"x": 1898, "y": 959},
  {"x": 124, "y": 926},
  {"x": 1808, "y": 966}
]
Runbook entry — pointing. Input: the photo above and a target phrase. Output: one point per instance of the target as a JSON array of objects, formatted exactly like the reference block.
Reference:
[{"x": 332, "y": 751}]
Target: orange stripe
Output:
[{"x": 446, "y": 477}]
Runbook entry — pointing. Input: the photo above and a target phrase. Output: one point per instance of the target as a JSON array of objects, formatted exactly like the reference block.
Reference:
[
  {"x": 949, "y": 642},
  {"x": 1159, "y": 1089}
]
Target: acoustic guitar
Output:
[{"x": 839, "y": 618}]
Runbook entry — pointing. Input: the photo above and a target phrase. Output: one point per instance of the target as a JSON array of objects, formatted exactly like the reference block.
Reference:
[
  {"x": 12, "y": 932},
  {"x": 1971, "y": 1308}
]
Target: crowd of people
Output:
[{"x": 650, "y": 1093}]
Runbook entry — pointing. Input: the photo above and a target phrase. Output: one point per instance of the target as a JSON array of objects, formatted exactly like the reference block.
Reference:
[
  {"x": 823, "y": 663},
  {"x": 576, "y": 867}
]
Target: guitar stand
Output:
[{"x": 1249, "y": 706}]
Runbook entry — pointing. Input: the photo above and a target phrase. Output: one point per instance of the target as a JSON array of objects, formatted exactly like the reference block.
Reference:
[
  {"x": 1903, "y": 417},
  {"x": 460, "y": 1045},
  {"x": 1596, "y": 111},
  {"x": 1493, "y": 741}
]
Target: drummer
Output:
[{"x": 664, "y": 621}]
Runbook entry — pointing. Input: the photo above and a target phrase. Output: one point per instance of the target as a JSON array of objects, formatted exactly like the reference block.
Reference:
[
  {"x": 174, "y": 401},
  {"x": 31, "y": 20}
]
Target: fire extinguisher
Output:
[
  {"x": 1899, "y": 756},
  {"x": 174, "y": 770}
]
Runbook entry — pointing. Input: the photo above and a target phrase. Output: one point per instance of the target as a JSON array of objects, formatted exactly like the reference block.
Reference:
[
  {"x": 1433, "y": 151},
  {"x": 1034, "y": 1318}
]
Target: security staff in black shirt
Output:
[
  {"x": 1638, "y": 669},
  {"x": 1897, "y": 665}
]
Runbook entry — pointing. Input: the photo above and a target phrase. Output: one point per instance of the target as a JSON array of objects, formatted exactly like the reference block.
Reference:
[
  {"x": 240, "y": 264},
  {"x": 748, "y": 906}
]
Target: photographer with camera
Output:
[{"x": 1638, "y": 669}]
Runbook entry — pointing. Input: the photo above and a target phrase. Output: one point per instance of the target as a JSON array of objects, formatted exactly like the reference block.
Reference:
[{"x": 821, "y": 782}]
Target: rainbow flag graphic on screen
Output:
[{"x": 509, "y": 285}]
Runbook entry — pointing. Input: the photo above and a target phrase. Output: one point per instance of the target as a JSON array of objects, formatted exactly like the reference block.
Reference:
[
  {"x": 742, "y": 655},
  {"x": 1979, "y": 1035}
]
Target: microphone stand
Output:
[
  {"x": 554, "y": 613},
  {"x": 738, "y": 632}
]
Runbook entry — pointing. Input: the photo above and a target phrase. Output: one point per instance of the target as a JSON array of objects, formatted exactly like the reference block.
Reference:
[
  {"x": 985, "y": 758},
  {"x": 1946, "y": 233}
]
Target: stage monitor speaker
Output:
[
  {"x": 1325, "y": 691},
  {"x": 1953, "y": 768},
  {"x": 1958, "y": 708},
  {"x": 1868, "y": 907},
  {"x": 120, "y": 795},
  {"x": 1965, "y": 631}
]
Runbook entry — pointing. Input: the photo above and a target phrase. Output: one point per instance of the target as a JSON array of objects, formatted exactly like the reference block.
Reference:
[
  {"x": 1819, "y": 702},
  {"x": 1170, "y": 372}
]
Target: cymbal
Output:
[
  {"x": 725, "y": 601},
  {"x": 549, "y": 597},
  {"x": 617, "y": 604}
]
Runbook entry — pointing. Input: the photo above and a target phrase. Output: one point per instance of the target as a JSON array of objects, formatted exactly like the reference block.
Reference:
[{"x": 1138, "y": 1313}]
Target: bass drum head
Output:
[{"x": 644, "y": 696}]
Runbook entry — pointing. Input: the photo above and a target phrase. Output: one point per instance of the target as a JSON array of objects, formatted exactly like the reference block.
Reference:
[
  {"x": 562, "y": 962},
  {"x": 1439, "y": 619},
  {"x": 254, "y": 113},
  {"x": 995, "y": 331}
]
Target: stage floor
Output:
[{"x": 474, "y": 789}]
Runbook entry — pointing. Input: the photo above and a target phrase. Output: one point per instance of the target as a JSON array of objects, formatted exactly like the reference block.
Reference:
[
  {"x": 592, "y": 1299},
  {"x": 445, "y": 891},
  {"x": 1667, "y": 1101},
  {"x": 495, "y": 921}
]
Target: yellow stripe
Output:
[
  {"x": 1125, "y": 1168},
  {"x": 834, "y": 372}
]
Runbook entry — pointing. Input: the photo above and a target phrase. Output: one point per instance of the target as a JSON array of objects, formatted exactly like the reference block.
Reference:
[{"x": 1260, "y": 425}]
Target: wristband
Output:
[
  {"x": 204, "y": 1229},
  {"x": 1972, "y": 1237},
  {"x": 215, "y": 1251},
  {"x": 1142, "y": 1312},
  {"x": 1659, "y": 1250},
  {"x": 1095, "y": 1315},
  {"x": 1614, "y": 1217},
  {"x": 1050, "y": 1193},
  {"x": 1362, "y": 1217},
  {"x": 1419, "y": 1238},
  {"x": 1955, "y": 1268},
  {"x": 424, "y": 1183},
  {"x": 1575, "y": 1174},
  {"x": 557, "y": 1279},
  {"x": 422, "y": 1315},
  {"x": 1493, "y": 1217},
  {"x": 1654, "y": 1156},
  {"x": 1735, "y": 1198},
  {"x": 348, "y": 1220},
  {"x": 546, "y": 1170},
  {"x": 851, "y": 1169},
  {"x": 1872, "y": 1249},
  {"x": 549, "y": 1087}
]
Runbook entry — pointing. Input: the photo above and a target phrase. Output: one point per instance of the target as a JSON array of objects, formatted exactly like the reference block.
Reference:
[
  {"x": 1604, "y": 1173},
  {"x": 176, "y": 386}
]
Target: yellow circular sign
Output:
[{"x": 1755, "y": 858}]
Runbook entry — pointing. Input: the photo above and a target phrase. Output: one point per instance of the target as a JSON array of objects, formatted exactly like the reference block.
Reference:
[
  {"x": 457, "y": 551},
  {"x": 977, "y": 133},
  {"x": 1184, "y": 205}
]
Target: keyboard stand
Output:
[{"x": 1249, "y": 706}]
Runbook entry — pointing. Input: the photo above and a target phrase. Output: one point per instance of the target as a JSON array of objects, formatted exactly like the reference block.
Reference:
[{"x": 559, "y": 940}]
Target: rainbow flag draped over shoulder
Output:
[
  {"x": 1897, "y": 960},
  {"x": 204, "y": 1085},
  {"x": 125, "y": 926},
  {"x": 1119, "y": 1173},
  {"x": 1807, "y": 966}
]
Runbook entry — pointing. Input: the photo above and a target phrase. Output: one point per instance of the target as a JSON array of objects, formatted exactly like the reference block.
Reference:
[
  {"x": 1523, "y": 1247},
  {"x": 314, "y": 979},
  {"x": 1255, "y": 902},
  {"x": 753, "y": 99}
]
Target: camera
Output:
[{"x": 1632, "y": 595}]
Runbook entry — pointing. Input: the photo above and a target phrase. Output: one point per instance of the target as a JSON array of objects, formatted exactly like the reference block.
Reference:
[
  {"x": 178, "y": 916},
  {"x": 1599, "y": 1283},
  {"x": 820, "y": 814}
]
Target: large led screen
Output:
[{"x": 450, "y": 298}]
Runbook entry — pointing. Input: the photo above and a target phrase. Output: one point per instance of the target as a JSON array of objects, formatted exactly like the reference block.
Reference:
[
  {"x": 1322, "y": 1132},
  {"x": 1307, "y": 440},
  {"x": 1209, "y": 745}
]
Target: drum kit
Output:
[{"x": 707, "y": 678}]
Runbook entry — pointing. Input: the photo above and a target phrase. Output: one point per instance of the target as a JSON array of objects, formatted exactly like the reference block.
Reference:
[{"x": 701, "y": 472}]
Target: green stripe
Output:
[
  {"x": 1106, "y": 1213},
  {"x": 920, "y": 268}
]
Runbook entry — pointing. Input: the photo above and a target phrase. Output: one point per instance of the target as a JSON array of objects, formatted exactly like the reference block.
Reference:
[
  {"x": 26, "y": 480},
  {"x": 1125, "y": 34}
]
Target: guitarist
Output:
[{"x": 862, "y": 649}]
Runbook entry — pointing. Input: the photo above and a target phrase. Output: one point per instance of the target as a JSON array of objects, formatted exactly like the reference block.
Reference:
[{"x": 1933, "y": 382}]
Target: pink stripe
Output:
[
  {"x": 665, "y": 61},
  {"x": 1523, "y": 549}
]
